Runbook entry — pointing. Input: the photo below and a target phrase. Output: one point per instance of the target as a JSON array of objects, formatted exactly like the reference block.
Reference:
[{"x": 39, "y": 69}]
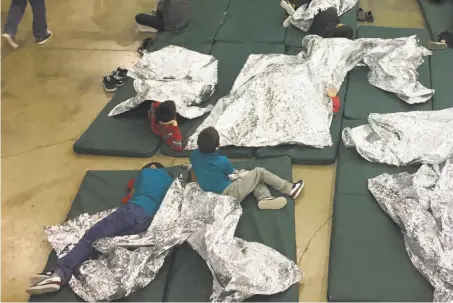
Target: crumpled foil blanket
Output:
[
  {"x": 173, "y": 73},
  {"x": 281, "y": 99},
  {"x": 304, "y": 15},
  {"x": 422, "y": 206},
  {"x": 240, "y": 269},
  {"x": 399, "y": 139}
]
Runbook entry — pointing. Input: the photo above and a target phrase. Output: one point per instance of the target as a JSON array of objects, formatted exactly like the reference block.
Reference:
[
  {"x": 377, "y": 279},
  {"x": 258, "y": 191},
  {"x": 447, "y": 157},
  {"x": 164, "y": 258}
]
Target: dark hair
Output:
[
  {"x": 156, "y": 164},
  {"x": 208, "y": 140},
  {"x": 343, "y": 32},
  {"x": 166, "y": 111}
]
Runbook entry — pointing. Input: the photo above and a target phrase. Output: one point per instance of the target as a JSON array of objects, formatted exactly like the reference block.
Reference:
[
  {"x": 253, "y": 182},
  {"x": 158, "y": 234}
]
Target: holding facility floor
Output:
[{"x": 51, "y": 93}]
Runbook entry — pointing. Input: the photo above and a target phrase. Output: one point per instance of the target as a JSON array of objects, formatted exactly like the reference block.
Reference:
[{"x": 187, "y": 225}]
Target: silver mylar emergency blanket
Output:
[
  {"x": 240, "y": 269},
  {"x": 304, "y": 15},
  {"x": 422, "y": 206},
  {"x": 173, "y": 73},
  {"x": 281, "y": 99},
  {"x": 404, "y": 138}
]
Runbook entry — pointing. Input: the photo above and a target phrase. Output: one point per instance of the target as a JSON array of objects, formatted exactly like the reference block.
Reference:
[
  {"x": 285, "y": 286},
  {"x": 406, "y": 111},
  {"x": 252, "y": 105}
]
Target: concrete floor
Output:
[{"x": 51, "y": 93}]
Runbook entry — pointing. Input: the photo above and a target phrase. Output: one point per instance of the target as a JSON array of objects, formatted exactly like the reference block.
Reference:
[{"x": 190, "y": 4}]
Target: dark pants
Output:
[
  {"x": 17, "y": 10},
  {"x": 130, "y": 219},
  {"x": 156, "y": 21}
]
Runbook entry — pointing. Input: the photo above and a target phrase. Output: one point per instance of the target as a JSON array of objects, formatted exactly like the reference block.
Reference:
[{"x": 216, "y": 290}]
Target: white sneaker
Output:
[
  {"x": 287, "y": 7},
  {"x": 51, "y": 284},
  {"x": 10, "y": 40},
  {"x": 146, "y": 29},
  {"x": 297, "y": 188},
  {"x": 272, "y": 203},
  {"x": 437, "y": 45},
  {"x": 287, "y": 21}
]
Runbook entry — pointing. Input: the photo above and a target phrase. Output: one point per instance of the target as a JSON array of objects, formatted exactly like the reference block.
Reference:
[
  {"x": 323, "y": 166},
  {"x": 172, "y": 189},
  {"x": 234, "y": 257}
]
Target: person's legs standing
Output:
[
  {"x": 39, "y": 19},
  {"x": 126, "y": 220},
  {"x": 150, "y": 23},
  {"x": 15, "y": 14}
]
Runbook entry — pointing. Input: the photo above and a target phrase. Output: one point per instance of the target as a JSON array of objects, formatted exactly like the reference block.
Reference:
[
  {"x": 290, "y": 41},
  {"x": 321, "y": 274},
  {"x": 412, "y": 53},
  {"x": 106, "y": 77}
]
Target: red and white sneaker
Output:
[{"x": 44, "y": 283}]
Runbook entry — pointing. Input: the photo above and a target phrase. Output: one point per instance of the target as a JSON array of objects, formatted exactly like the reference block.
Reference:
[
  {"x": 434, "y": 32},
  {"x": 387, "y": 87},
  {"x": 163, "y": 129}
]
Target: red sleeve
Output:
[
  {"x": 152, "y": 118},
  {"x": 175, "y": 140},
  {"x": 335, "y": 104}
]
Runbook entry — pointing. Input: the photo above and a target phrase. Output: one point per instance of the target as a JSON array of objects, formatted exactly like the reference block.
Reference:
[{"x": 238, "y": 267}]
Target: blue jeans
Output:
[
  {"x": 130, "y": 219},
  {"x": 17, "y": 10}
]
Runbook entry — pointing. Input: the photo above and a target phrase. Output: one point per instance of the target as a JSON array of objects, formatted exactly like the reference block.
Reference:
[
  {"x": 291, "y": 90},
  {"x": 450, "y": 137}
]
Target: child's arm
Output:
[
  {"x": 193, "y": 177},
  {"x": 152, "y": 117},
  {"x": 175, "y": 139},
  {"x": 228, "y": 167}
]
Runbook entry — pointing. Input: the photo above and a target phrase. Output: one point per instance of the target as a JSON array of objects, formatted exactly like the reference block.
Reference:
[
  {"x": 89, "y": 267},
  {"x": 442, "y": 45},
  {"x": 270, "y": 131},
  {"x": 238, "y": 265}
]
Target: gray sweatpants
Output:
[
  {"x": 254, "y": 181},
  {"x": 16, "y": 12}
]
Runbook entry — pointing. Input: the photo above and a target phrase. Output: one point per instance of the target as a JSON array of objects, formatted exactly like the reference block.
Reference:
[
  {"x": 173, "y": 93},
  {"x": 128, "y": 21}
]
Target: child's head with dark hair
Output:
[
  {"x": 156, "y": 165},
  {"x": 208, "y": 140},
  {"x": 166, "y": 111},
  {"x": 343, "y": 31}
]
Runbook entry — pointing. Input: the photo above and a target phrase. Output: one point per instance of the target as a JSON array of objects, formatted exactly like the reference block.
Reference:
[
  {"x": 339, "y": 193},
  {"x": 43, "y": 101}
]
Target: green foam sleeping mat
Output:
[
  {"x": 438, "y": 17},
  {"x": 252, "y": 21},
  {"x": 126, "y": 135},
  {"x": 206, "y": 16},
  {"x": 190, "y": 279},
  {"x": 231, "y": 57},
  {"x": 294, "y": 35},
  {"x": 102, "y": 190},
  {"x": 368, "y": 261},
  {"x": 306, "y": 154},
  {"x": 363, "y": 99},
  {"x": 184, "y": 276},
  {"x": 441, "y": 78}
]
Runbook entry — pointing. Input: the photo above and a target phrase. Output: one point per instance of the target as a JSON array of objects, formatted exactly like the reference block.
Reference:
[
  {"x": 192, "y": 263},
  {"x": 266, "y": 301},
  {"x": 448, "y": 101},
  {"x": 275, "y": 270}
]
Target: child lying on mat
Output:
[
  {"x": 325, "y": 24},
  {"x": 135, "y": 217},
  {"x": 162, "y": 117},
  {"x": 171, "y": 15},
  {"x": 211, "y": 170}
]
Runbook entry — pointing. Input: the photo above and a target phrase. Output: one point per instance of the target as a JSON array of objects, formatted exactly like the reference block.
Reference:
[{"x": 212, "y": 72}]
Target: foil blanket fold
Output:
[
  {"x": 207, "y": 221},
  {"x": 281, "y": 99},
  {"x": 399, "y": 139},
  {"x": 422, "y": 206},
  {"x": 303, "y": 17},
  {"x": 173, "y": 73}
]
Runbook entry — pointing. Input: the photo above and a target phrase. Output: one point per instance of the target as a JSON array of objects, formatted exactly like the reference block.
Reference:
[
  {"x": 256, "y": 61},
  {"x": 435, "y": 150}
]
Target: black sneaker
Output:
[
  {"x": 144, "y": 46},
  {"x": 45, "y": 39},
  {"x": 111, "y": 84},
  {"x": 120, "y": 74},
  {"x": 297, "y": 188}
]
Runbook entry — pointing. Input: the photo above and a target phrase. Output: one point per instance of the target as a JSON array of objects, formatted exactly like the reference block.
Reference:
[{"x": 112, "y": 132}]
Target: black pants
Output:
[{"x": 156, "y": 21}]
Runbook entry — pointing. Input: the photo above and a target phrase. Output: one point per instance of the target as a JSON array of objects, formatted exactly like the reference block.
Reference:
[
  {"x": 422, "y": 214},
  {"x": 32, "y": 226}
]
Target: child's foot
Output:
[
  {"x": 288, "y": 7},
  {"x": 51, "y": 283},
  {"x": 10, "y": 40},
  {"x": 146, "y": 29},
  {"x": 45, "y": 39},
  {"x": 297, "y": 188},
  {"x": 287, "y": 22},
  {"x": 272, "y": 203}
]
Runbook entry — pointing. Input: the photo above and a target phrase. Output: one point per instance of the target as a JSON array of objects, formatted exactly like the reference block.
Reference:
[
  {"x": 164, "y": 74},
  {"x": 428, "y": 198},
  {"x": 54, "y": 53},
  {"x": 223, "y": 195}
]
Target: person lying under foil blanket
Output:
[
  {"x": 174, "y": 73},
  {"x": 422, "y": 206},
  {"x": 399, "y": 139},
  {"x": 135, "y": 239},
  {"x": 281, "y": 99}
]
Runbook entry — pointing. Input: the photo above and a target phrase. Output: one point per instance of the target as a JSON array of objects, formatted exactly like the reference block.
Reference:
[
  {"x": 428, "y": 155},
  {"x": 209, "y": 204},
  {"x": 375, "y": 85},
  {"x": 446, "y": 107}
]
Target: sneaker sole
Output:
[
  {"x": 43, "y": 289},
  {"x": 37, "y": 279},
  {"x": 45, "y": 40},
  {"x": 110, "y": 90},
  {"x": 10, "y": 41},
  {"x": 276, "y": 203},
  {"x": 288, "y": 8},
  {"x": 297, "y": 193},
  {"x": 287, "y": 21},
  {"x": 437, "y": 45},
  {"x": 146, "y": 29}
]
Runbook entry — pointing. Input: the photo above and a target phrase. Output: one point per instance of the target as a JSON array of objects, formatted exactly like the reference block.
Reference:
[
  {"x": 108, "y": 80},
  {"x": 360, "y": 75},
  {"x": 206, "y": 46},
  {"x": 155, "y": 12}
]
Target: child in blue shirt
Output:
[
  {"x": 212, "y": 169},
  {"x": 134, "y": 218}
]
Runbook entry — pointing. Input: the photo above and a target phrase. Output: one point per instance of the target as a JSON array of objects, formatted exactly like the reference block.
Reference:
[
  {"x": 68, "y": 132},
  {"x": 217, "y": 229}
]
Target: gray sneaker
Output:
[{"x": 272, "y": 203}]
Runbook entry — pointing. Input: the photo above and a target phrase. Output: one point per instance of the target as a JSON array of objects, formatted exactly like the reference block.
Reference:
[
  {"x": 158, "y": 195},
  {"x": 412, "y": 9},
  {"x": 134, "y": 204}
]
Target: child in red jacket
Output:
[{"x": 162, "y": 117}]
